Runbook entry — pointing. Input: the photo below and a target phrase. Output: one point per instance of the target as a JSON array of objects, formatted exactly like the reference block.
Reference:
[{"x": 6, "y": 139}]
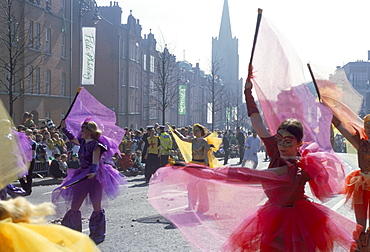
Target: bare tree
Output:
[
  {"x": 165, "y": 82},
  {"x": 236, "y": 112},
  {"x": 215, "y": 88},
  {"x": 17, "y": 61}
]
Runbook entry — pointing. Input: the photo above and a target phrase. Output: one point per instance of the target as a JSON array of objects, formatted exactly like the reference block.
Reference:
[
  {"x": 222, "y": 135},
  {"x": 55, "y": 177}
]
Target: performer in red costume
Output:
[
  {"x": 267, "y": 210},
  {"x": 289, "y": 221}
]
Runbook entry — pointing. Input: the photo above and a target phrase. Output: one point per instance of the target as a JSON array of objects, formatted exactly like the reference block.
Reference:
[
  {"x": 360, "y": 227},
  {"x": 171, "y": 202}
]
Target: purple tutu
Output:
[{"x": 107, "y": 184}]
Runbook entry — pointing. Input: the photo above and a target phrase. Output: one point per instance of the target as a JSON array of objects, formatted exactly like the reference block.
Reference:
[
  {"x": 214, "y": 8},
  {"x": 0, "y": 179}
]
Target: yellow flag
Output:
[{"x": 185, "y": 147}]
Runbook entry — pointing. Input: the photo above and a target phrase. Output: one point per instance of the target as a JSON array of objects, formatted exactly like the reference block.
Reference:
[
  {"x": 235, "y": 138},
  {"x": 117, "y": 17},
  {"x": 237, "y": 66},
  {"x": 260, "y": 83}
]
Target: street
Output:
[{"x": 134, "y": 225}]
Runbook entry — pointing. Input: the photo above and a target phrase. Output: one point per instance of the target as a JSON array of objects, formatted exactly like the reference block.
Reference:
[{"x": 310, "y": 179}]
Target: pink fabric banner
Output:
[{"x": 281, "y": 84}]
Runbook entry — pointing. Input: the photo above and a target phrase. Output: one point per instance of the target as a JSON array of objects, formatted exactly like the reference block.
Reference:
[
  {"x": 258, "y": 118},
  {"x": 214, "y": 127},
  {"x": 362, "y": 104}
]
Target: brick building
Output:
[
  {"x": 125, "y": 65},
  {"x": 41, "y": 58}
]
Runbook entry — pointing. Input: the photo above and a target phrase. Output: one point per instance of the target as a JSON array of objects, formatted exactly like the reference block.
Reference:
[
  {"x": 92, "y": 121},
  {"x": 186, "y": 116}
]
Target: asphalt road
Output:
[{"x": 134, "y": 225}]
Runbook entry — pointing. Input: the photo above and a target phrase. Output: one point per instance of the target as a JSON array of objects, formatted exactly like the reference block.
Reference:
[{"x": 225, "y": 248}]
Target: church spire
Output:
[{"x": 225, "y": 28}]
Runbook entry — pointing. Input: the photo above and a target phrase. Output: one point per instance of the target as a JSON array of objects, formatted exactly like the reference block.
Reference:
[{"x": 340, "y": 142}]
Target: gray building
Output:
[{"x": 358, "y": 74}]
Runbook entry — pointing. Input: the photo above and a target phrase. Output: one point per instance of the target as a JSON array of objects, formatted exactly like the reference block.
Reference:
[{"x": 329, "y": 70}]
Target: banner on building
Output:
[
  {"x": 88, "y": 55},
  {"x": 182, "y": 99},
  {"x": 231, "y": 114},
  {"x": 228, "y": 114},
  {"x": 209, "y": 112}
]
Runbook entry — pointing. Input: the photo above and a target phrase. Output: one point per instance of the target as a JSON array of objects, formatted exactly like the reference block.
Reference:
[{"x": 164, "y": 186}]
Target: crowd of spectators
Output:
[{"x": 54, "y": 154}]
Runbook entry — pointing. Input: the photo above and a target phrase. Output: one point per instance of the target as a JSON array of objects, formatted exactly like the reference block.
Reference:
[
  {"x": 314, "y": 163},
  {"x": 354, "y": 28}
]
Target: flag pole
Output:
[
  {"x": 76, "y": 182},
  {"x": 259, "y": 17},
  {"x": 70, "y": 107},
  {"x": 250, "y": 67},
  {"x": 314, "y": 82}
]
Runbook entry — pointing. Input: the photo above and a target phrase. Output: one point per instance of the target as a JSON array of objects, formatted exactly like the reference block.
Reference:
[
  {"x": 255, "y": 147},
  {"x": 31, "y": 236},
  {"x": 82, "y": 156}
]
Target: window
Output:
[
  {"x": 132, "y": 78},
  {"x": 63, "y": 45},
  {"x": 123, "y": 49},
  {"x": 152, "y": 63},
  {"x": 137, "y": 52},
  {"x": 47, "y": 82},
  {"x": 47, "y": 41},
  {"x": 63, "y": 84},
  {"x": 136, "y": 105},
  {"x": 37, "y": 80},
  {"x": 131, "y": 53},
  {"x": 122, "y": 77},
  {"x": 48, "y": 6},
  {"x": 122, "y": 105},
  {"x": 30, "y": 33},
  {"x": 38, "y": 36},
  {"x": 30, "y": 80},
  {"x": 144, "y": 61},
  {"x": 63, "y": 8},
  {"x": 132, "y": 105},
  {"x": 137, "y": 79}
]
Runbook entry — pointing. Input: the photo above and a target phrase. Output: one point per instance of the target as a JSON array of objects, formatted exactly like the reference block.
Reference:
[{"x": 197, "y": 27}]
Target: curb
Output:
[{"x": 42, "y": 182}]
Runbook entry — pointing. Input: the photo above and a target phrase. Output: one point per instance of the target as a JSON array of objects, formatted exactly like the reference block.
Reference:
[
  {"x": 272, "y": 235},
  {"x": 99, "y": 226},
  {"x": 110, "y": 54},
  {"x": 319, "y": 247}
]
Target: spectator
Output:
[
  {"x": 56, "y": 170},
  {"x": 226, "y": 146},
  {"x": 49, "y": 143},
  {"x": 59, "y": 143},
  {"x": 63, "y": 161},
  {"x": 29, "y": 123},
  {"x": 137, "y": 162},
  {"x": 138, "y": 138},
  {"x": 74, "y": 163},
  {"x": 42, "y": 159},
  {"x": 241, "y": 141},
  {"x": 252, "y": 147},
  {"x": 26, "y": 181},
  {"x": 166, "y": 143},
  {"x": 21, "y": 128},
  {"x": 25, "y": 117},
  {"x": 126, "y": 162}
]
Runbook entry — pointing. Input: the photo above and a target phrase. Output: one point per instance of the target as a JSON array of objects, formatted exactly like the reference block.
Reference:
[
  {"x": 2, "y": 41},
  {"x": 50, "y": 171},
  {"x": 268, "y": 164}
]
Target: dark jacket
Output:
[{"x": 241, "y": 138}]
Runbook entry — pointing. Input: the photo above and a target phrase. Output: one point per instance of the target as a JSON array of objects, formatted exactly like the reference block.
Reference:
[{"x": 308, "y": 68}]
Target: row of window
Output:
[
  {"x": 133, "y": 106},
  {"x": 34, "y": 84},
  {"x": 34, "y": 38},
  {"x": 134, "y": 55},
  {"x": 48, "y": 5}
]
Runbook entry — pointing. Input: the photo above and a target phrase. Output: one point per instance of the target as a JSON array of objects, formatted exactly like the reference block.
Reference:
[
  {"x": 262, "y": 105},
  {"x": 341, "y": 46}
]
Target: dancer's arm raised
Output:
[{"x": 254, "y": 113}]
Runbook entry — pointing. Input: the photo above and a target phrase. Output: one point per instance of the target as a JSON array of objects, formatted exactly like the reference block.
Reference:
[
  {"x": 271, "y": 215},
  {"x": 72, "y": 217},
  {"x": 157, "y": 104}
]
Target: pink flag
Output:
[{"x": 281, "y": 82}]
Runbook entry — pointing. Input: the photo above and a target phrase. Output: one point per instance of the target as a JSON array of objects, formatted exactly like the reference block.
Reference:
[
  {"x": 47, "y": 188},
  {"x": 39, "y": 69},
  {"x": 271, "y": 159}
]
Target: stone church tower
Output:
[{"x": 225, "y": 52}]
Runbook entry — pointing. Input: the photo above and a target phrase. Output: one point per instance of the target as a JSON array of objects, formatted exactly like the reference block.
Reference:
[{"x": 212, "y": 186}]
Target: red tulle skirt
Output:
[{"x": 310, "y": 226}]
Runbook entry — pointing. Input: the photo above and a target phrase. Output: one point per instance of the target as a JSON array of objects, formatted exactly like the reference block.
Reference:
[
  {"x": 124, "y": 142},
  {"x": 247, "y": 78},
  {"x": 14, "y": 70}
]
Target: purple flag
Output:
[{"x": 87, "y": 107}]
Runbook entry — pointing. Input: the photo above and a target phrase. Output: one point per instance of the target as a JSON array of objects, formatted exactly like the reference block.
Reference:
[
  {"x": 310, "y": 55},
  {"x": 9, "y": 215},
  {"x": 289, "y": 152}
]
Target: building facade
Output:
[
  {"x": 38, "y": 60},
  {"x": 49, "y": 74},
  {"x": 358, "y": 74}
]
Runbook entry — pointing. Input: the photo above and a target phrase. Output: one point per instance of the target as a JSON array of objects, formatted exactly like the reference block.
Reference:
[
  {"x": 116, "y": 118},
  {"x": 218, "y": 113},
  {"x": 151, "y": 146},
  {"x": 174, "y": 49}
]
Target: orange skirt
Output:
[{"x": 357, "y": 187}]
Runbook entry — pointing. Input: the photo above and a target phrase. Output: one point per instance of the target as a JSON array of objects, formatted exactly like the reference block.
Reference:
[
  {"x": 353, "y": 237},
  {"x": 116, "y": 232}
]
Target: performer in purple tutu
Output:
[{"x": 95, "y": 178}]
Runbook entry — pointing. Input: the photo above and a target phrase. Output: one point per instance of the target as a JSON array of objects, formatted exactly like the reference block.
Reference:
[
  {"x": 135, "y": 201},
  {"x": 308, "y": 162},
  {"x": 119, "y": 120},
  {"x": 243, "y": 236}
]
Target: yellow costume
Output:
[
  {"x": 42, "y": 237},
  {"x": 20, "y": 231},
  {"x": 186, "y": 148}
]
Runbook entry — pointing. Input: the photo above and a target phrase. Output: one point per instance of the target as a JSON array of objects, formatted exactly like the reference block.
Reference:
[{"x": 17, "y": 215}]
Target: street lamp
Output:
[{"x": 84, "y": 7}]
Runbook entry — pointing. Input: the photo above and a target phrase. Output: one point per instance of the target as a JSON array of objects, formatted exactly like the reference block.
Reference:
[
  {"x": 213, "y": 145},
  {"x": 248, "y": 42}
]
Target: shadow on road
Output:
[{"x": 156, "y": 219}]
